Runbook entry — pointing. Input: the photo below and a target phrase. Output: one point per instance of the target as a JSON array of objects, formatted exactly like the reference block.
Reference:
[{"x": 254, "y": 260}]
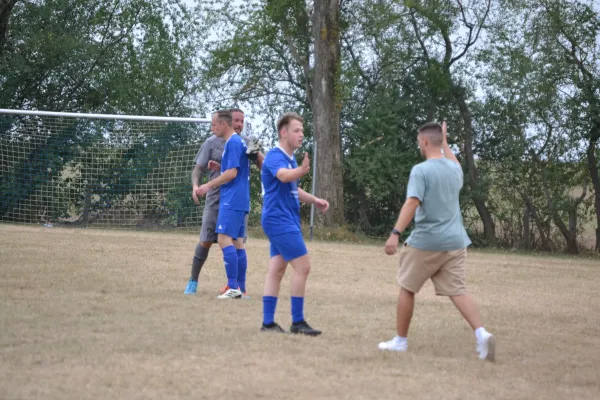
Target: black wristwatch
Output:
[{"x": 396, "y": 232}]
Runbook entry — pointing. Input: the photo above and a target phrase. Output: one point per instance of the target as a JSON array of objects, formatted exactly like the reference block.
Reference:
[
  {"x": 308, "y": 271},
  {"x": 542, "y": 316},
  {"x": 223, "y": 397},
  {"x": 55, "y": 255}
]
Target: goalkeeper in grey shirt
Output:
[{"x": 208, "y": 159}]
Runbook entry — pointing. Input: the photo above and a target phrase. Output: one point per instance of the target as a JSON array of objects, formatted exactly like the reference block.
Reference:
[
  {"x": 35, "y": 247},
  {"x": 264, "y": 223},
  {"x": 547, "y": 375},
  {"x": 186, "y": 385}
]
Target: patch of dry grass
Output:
[{"x": 102, "y": 315}]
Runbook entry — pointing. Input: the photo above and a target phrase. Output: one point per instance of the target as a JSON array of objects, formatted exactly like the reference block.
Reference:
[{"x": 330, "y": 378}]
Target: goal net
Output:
[{"x": 61, "y": 169}]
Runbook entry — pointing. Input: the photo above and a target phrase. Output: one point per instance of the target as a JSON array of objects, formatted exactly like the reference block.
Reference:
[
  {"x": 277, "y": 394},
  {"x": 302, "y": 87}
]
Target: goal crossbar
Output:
[{"x": 103, "y": 116}]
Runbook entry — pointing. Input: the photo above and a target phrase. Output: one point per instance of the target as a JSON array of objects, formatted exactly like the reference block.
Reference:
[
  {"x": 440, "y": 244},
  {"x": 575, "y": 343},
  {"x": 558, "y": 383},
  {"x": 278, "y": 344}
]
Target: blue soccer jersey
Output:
[
  {"x": 235, "y": 195},
  {"x": 281, "y": 207}
]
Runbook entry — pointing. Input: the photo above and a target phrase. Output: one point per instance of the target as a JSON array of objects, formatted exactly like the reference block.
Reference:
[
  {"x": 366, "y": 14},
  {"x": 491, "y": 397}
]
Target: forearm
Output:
[
  {"x": 306, "y": 197},
  {"x": 449, "y": 154},
  {"x": 197, "y": 176},
  {"x": 224, "y": 178},
  {"x": 407, "y": 213},
  {"x": 290, "y": 175},
  {"x": 259, "y": 160}
]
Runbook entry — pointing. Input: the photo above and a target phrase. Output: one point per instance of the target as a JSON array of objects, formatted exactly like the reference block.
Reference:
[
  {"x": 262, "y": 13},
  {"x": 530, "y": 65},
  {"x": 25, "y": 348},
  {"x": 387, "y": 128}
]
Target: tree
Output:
[
  {"x": 284, "y": 55},
  {"x": 134, "y": 56},
  {"x": 572, "y": 30},
  {"x": 435, "y": 20},
  {"x": 326, "y": 108}
]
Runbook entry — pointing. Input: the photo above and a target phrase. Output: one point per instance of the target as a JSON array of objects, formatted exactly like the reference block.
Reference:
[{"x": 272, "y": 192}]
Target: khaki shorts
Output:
[{"x": 446, "y": 269}]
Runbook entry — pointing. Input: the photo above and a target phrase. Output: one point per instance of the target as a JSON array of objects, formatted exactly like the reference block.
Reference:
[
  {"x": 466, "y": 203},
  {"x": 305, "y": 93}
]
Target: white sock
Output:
[
  {"x": 400, "y": 339},
  {"x": 480, "y": 333}
]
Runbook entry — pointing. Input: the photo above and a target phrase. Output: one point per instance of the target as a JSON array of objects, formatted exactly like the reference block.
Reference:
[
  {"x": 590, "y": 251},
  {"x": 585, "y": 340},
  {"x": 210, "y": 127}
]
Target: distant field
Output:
[{"x": 101, "y": 315}]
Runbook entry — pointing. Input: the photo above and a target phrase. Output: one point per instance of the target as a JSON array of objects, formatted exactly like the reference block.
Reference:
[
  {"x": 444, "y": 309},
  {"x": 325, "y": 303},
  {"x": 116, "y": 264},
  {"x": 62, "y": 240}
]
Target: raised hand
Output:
[
  {"x": 305, "y": 164},
  {"x": 444, "y": 133}
]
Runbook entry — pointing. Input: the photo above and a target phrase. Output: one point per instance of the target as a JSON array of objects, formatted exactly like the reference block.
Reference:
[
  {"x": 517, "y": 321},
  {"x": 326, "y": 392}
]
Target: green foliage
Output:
[{"x": 527, "y": 73}]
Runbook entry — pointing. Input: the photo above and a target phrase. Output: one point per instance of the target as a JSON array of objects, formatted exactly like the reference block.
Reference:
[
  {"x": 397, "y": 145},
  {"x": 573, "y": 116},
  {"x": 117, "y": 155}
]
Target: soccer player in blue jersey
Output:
[
  {"x": 234, "y": 204},
  {"x": 208, "y": 159},
  {"x": 281, "y": 223}
]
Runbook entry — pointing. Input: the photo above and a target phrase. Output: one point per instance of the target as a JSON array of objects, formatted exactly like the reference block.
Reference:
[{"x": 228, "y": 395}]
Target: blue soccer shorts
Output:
[
  {"x": 232, "y": 223},
  {"x": 288, "y": 245}
]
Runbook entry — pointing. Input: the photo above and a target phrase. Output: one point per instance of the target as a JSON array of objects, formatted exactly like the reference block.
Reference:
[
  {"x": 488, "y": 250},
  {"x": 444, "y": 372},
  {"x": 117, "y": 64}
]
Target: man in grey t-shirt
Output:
[
  {"x": 208, "y": 159},
  {"x": 437, "y": 247}
]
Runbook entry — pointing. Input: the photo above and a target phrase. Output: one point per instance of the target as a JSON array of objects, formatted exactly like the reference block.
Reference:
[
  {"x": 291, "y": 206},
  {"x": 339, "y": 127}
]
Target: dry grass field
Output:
[{"x": 102, "y": 315}]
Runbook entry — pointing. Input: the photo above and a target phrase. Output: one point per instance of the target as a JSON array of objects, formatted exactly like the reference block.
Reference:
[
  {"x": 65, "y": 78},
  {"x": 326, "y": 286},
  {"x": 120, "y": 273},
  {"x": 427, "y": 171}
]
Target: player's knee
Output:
[
  {"x": 205, "y": 245},
  {"x": 303, "y": 268},
  {"x": 279, "y": 273},
  {"x": 225, "y": 241}
]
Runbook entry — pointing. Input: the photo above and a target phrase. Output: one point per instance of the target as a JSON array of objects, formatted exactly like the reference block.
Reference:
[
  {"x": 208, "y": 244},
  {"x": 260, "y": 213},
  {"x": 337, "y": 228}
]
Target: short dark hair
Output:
[
  {"x": 286, "y": 118},
  {"x": 232, "y": 110},
  {"x": 433, "y": 130},
  {"x": 225, "y": 116}
]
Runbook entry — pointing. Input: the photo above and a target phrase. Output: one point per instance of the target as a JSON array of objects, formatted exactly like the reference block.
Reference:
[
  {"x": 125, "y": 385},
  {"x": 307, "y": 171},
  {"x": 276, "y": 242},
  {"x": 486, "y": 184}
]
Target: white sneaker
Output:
[
  {"x": 394, "y": 345},
  {"x": 486, "y": 347},
  {"x": 231, "y": 294}
]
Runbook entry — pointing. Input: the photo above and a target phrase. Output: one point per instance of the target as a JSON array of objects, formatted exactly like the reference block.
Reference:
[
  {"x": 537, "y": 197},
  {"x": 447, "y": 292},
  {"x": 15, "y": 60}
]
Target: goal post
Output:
[{"x": 99, "y": 170}]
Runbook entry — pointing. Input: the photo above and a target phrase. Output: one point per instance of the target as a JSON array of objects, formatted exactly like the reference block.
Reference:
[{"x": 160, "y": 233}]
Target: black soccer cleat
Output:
[
  {"x": 303, "y": 328},
  {"x": 273, "y": 327}
]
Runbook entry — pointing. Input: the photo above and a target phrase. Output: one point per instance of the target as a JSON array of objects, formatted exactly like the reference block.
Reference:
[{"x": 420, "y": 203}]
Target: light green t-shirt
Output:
[{"x": 438, "y": 221}]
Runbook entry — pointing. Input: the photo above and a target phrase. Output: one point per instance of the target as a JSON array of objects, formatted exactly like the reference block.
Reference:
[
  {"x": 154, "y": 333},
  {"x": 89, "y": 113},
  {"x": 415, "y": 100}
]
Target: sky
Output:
[{"x": 258, "y": 121}]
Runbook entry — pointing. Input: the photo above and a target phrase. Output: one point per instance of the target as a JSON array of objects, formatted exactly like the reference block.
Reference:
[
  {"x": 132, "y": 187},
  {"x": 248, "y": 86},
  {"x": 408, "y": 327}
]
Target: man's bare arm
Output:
[
  {"x": 289, "y": 175},
  {"x": 306, "y": 197},
  {"x": 224, "y": 178},
  {"x": 197, "y": 174},
  {"x": 407, "y": 213},
  {"x": 321, "y": 204},
  {"x": 259, "y": 160},
  {"x": 445, "y": 147}
]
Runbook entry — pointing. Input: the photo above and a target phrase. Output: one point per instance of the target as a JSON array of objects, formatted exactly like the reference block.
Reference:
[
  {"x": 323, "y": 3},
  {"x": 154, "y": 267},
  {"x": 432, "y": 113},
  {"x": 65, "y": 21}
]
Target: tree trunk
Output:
[
  {"x": 545, "y": 240},
  {"x": 592, "y": 163},
  {"x": 570, "y": 232},
  {"x": 572, "y": 238},
  {"x": 6, "y": 7},
  {"x": 489, "y": 228},
  {"x": 363, "y": 214},
  {"x": 326, "y": 110},
  {"x": 526, "y": 232}
]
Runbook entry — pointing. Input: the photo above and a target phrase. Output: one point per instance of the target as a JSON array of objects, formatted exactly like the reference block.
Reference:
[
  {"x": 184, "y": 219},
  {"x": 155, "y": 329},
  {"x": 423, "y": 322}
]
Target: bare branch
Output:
[
  {"x": 357, "y": 63},
  {"x": 104, "y": 49},
  {"x": 413, "y": 21},
  {"x": 583, "y": 194},
  {"x": 305, "y": 67},
  {"x": 471, "y": 41}
]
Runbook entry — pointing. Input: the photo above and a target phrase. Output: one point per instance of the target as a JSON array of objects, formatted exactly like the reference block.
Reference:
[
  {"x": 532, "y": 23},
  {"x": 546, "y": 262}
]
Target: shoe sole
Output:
[
  {"x": 307, "y": 333},
  {"x": 491, "y": 354},
  {"x": 273, "y": 331},
  {"x": 392, "y": 349}
]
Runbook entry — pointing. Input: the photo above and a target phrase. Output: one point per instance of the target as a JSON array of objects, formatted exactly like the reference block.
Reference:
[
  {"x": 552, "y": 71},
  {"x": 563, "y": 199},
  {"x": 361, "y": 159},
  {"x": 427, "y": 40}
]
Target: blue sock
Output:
[
  {"x": 242, "y": 268},
  {"x": 231, "y": 266},
  {"x": 269, "y": 305},
  {"x": 297, "y": 309}
]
